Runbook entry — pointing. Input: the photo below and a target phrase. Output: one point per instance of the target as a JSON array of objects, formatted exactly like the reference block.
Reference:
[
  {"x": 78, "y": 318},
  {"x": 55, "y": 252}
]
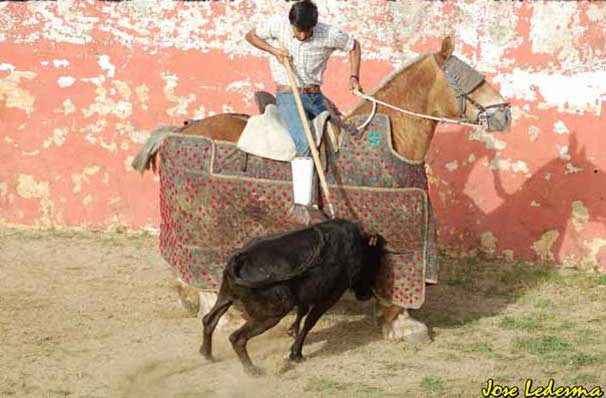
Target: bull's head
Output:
[{"x": 362, "y": 287}]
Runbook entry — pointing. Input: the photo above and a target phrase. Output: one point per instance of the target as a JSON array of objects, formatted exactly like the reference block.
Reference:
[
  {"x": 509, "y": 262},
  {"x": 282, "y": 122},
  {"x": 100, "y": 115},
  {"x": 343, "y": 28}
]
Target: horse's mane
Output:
[{"x": 389, "y": 78}]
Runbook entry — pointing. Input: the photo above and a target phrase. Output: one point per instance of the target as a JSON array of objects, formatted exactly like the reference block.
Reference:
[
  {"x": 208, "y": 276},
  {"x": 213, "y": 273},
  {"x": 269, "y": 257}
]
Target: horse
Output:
[{"x": 423, "y": 86}]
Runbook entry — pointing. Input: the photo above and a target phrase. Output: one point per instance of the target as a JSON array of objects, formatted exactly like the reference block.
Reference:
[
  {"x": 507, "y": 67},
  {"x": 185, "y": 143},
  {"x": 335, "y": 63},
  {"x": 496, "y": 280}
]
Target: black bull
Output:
[{"x": 309, "y": 269}]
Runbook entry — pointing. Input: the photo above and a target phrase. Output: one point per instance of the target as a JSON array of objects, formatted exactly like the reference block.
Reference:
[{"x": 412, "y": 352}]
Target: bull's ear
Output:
[{"x": 446, "y": 50}]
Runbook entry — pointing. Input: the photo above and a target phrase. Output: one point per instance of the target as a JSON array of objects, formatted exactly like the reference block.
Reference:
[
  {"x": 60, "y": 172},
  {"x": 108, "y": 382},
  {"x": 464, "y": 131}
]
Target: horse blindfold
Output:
[{"x": 464, "y": 79}]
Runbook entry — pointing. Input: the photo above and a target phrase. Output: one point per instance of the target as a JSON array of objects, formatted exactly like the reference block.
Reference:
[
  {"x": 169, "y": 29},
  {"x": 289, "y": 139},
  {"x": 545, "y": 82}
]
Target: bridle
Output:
[{"x": 464, "y": 80}]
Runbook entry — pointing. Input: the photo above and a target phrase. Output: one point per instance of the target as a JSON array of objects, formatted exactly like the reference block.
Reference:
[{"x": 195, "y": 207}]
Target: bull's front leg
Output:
[
  {"x": 399, "y": 325},
  {"x": 293, "y": 330},
  {"x": 296, "y": 350}
]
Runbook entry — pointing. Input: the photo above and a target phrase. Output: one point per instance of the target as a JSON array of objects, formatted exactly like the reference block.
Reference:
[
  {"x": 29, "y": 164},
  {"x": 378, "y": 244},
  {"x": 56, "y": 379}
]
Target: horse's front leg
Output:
[
  {"x": 188, "y": 296},
  {"x": 399, "y": 325}
]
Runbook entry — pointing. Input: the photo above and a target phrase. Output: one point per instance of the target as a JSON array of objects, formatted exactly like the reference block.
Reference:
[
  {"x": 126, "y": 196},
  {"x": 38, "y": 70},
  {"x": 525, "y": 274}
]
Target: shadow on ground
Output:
[{"x": 477, "y": 287}]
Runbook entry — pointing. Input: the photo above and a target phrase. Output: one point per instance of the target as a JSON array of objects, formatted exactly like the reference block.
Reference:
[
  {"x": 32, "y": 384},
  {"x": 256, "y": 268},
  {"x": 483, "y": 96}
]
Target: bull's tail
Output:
[
  {"x": 233, "y": 274},
  {"x": 145, "y": 157},
  {"x": 245, "y": 274}
]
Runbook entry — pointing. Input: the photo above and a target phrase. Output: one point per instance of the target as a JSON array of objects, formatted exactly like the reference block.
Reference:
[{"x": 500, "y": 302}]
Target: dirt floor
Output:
[{"x": 86, "y": 314}]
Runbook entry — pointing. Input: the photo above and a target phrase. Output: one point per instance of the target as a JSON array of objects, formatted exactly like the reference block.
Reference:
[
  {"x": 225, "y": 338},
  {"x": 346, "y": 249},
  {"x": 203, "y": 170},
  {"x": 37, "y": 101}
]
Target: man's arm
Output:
[
  {"x": 355, "y": 55},
  {"x": 263, "y": 45}
]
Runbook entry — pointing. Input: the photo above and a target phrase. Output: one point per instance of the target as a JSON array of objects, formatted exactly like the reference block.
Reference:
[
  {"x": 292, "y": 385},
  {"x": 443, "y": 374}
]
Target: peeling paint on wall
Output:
[
  {"x": 58, "y": 137},
  {"x": 105, "y": 105},
  {"x": 595, "y": 247},
  {"x": 580, "y": 215},
  {"x": 181, "y": 102},
  {"x": 515, "y": 166},
  {"x": 488, "y": 242},
  {"x": 14, "y": 95},
  {"x": 533, "y": 132},
  {"x": 82, "y": 83},
  {"x": 560, "y": 128},
  {"x": 29, "y": 188},
  {"x": 489, "y": 140},
  {"x": 3, "y": 189},
  {"x": 68, "y": 107},
  {"x": 543, "y": 246},
  {"x": 580, "y": 92},
  {"x": 78, "y": 179},
  {"x": 452, "y": 166},
  {"x": 65, "y": 81},
  {"x": 550, "y": 32}
]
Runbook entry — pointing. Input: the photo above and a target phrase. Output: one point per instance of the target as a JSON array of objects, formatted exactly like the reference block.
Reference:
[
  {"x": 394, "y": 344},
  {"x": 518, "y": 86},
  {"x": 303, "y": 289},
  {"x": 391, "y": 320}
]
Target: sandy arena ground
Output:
[{"x": 87, "y": 314}]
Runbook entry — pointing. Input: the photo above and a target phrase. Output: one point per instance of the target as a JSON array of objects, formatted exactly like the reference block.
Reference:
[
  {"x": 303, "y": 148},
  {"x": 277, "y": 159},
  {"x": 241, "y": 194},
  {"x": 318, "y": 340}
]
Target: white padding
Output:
[
  {"x": 302, "y": 180},
  {"x": 267, "y": 136}
]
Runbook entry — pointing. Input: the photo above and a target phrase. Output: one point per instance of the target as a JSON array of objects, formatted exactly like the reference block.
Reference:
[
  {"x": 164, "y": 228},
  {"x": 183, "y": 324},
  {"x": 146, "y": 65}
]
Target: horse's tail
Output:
[{"x": 145, "y": 157}]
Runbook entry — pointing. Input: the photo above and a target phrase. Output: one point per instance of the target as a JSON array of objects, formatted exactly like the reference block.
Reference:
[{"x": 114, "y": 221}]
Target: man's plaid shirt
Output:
[{"x": 310, "y": 56}]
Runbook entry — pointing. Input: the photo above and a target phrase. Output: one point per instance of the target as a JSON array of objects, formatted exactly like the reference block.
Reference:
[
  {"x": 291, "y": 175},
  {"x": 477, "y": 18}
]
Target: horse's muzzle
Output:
[{"x": 496, "y": 118}]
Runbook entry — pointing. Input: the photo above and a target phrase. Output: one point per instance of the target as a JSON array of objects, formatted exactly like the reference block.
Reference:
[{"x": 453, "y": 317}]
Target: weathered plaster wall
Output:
[{"x": 83, "y": 82}]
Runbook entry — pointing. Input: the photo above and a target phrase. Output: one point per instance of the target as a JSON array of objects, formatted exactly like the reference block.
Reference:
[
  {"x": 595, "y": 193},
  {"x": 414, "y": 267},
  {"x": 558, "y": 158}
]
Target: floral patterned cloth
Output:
[{"x": 215, "y": 198}]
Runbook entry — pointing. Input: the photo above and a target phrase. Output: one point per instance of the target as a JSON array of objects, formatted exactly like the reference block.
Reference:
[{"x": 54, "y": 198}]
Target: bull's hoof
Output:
[
  {"x": 404, "y": 328},
  {"x": 254, "y": 371},
  {"x": 207, "y": 355},
  {"x": 298, "y": 358},
  {"x": 209, "y": 358}
]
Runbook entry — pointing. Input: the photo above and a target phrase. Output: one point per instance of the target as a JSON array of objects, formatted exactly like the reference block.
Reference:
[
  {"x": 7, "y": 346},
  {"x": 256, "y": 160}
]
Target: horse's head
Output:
[{"x": 470, "y": 96}]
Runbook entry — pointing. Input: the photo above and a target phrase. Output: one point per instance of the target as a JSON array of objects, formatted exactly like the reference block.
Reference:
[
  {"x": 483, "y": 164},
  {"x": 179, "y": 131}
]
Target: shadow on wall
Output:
[
  {"x": 549, "y": 214},
  {"x": 539, "y": 220}
]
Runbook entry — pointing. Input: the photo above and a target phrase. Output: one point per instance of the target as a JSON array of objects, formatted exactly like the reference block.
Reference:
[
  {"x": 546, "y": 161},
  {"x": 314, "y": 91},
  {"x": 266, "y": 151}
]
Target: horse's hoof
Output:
[
  {"x": 404, "y": 328},
  {"x": 254, "y": 371},
  {"x": 188, "y": 297}
]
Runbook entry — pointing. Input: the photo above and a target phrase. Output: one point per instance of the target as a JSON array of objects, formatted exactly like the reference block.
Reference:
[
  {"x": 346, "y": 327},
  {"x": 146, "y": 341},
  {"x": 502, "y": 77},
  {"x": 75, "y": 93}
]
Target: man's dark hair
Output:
[{"x": 303, "y": 15}]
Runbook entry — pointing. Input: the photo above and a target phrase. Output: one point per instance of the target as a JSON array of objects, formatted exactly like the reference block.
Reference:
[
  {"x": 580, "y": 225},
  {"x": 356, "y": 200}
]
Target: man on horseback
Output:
[{"x": 308, "y": 45}]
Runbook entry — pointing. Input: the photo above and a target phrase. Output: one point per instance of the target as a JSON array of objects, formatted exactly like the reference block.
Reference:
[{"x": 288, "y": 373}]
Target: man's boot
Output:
[{"x": 302, "y": 211}]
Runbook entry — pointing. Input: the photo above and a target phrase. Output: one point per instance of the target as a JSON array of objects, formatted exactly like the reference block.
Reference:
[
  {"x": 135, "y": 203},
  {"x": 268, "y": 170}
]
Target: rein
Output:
[
  {"x": 375, "y": 101},
  {"x": 464, "y": 80}
]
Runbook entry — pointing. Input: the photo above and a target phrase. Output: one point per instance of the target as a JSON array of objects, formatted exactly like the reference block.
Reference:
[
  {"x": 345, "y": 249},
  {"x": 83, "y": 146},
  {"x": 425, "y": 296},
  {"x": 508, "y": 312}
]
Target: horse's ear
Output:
[
  {"x": 446, "y": 50},
  {"x": 574, "y": 147}
]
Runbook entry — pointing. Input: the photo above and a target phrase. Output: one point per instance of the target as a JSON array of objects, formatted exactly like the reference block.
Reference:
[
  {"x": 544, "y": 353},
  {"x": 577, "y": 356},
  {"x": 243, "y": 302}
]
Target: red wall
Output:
[{"x": 83, "y": 82}]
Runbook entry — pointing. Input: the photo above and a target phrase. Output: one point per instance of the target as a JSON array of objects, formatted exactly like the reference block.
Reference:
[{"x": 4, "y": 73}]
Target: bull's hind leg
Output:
[
  {"x": 316, "y": 312},
  {"x": 240, "y": 337},
  {"x": 293, "y": 330},
  {"x": 230, "y": 321},
  {"x": 210, "y": 320}
]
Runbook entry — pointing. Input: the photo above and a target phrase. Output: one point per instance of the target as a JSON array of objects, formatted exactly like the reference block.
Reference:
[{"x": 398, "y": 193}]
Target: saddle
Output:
[
  {"x": 330, "y": 123},
  {"x": 266, "y": 135}
]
